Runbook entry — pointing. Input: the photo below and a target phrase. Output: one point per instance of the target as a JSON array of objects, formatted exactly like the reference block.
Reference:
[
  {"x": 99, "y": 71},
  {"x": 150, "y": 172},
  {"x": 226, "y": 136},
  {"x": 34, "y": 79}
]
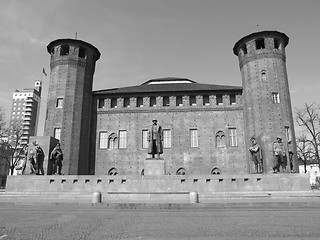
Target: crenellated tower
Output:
[
  {"x": 69, "y": 100},
  {"x": 267, "y": 105}
]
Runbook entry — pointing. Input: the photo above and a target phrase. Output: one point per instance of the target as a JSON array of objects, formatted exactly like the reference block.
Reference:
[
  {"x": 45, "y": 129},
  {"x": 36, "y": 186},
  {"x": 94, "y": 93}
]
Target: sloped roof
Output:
[{"x": 168, "y": 84}]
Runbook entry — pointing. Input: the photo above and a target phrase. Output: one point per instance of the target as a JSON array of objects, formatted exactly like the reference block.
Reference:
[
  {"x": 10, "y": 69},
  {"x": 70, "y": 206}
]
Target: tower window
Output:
[
  {"x": 101, "y": 103},
  {"x": 52, "y": 50},
  {"x": 219, "y": 100},
  {"x": 59, "y": 103},
  {"x": 139, "y": 102},
  {"x": 244, "y": 49},
  {"x": 166, "y": 102},
  {"x": 153, "y": 102},
  {"x": 263, "y": 76},
  {"x": 57, "y": 133},
  {"x": 275, "y": 97},
  {"x": 232, "y": 99},
  {"x": 82, "y": 53},
  {"x": 193, "y": 101},
  {"x": 233, "y": 137},
  {"x": 194, "y": 141},
  {"x": 122, "y": 139},
  {"x": 166, "y": 138},
  {"x": 145, "y": 142},
  {"x": 103, "y": 140},
  {"x": 179, "y": 101},
  {"x": 260, "y": 43},
  {"x": 64, "y": 50},
  {"x": 126, "y": 102},
  {"x": 113, "y": 103},
  {"x": 205, "y": 100},
  {"x": 276, "y": 43}
]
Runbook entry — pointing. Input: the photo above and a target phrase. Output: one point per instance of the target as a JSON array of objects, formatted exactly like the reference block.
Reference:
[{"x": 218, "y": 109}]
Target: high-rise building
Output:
[{"x": 25, "y": 112}]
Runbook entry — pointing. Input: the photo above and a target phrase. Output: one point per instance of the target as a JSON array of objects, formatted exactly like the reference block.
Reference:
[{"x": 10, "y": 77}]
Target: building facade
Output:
[
  {"x": 25, "y": 113},
  {"x": 206, "y": 127}
]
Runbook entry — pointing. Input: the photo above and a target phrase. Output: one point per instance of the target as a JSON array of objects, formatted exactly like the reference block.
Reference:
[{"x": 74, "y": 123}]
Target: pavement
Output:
[{"x": 84, "y": 221}]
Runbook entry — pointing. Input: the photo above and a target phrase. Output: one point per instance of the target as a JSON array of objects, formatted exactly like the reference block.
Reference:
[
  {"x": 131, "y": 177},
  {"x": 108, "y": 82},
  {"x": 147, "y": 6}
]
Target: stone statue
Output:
[
  {"x": 255, "y": 151},
  {"x": 279, "y": 153},
  {"x": 155, "y": 138}
]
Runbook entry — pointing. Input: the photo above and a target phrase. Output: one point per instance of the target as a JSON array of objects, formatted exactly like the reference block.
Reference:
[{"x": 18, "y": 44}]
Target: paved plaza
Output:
[{"x": 83, "y": 221}]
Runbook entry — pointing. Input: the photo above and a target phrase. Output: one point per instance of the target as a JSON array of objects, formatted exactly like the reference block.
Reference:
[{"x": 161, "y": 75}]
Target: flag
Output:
[{"x": 44, "y": 72}]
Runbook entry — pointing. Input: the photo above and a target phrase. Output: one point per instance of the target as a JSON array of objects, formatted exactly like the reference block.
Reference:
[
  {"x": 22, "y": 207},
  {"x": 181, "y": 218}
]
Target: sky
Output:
[{"x": 145, "y": 39}]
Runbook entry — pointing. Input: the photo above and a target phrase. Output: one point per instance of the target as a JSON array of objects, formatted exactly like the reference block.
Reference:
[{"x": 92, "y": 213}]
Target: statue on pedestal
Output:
[{"x": 155, "y": 138}]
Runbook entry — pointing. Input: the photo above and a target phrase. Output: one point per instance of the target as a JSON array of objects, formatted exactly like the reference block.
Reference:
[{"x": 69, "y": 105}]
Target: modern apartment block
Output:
[{"x": 25, "y": 112}]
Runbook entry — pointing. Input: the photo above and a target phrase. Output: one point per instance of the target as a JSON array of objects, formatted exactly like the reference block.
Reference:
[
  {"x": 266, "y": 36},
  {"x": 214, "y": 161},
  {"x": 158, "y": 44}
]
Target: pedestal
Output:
[{"x": 154, "y": 166}]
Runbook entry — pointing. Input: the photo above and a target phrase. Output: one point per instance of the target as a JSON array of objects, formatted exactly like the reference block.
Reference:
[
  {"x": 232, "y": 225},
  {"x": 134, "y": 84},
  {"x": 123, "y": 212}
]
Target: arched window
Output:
[
  {"x": 215, "y": 171},
  {"x": 113, "y": 141},
  {"x": 181, "y": 171},
  {"x": 263, "y": 75},
  {"x": 113, "y": 171},
  {"x": 220, "y": 139},
  {"x": 142, "y": 172}
]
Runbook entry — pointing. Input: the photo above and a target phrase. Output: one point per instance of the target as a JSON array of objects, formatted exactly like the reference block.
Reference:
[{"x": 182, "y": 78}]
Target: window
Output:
[
  {"x": 112, "y": 141},
  {"x": 205, "y": 100},
  {"x": 220, "y": 139},
  {"x": 194, "y": 138},
  {"x": 219, "y": 100},
  {"x": 193, "y": 101},
  {"x": 232, "y": 99},
  {"x": 113, "y": 171},
  {"x": 113, "y": 103},
  {"x": 59, "y": 103},
  {"x": 215, "y": 171},
  {"x": 179, "y": 101},
  {"x": 181, "y": 171},
  {"x": 139, "y": 102},
  {"x": 275, "y": 97},
  {"x": 288, "y": 135},
  {"x": 57, "y": 133},
  {"x": 166, "y": 102},
  {"x": 82, "y": 53},
  {"x": 103, "y": 140},
  {"x": 122, "y": 139},
  {"x": 260, "y": 43},
  {"x": 166, "y": 138},
  {"x": 101, "y": 103},
  {"x": 263, "y": 76},
  {"x": 244, "y": 49},
  {"x": 145, "y": 142},
  {"x": 233, "y": 137},
  {"x": 126, "y": 102},
  {"x": 153, "y": 102},
  {"x": 276, "y": 43},
  {"x": 64, "y": 50}
]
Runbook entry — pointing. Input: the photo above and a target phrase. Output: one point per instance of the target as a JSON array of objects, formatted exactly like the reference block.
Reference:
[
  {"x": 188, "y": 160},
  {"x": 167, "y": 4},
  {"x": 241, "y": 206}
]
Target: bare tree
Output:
[
  {"x": 12, "y": 151},
  {"x": 308, "y": 118},
  {"x": 304, "y": 150}
]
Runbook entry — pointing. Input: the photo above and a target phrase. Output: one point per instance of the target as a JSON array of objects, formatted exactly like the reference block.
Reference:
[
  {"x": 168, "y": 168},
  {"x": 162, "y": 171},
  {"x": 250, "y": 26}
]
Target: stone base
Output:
[{"x": 154, "y": 167}]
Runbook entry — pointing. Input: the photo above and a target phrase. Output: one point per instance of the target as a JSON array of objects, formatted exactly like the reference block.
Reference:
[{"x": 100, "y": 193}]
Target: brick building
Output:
[{"x": 207, "y": 128}]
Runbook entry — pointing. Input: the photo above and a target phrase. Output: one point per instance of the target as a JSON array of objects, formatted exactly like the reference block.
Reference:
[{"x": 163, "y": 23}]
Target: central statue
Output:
[{"x": 155, "y": 138}]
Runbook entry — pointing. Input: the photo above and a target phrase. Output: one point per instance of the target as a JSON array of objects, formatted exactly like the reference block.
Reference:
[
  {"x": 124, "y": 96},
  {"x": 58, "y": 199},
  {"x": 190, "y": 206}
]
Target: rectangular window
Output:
[
  {"x": 166, "y": 102},
  {"x": 232, "y": 99},
  {"x": 179, "y": 101},
  {"x": 139, "y": 102},
  {"x": 145, "y": 142},
  {"x": 126, "y": 102},
  {"x": 219, "y": 100},
  {"x": 193, "y": 101},
  {"x": 82, "y": 53},
  {"x": 122, "y": 139},
  {"x": 233, "y": 137},
  {"x": 194, "y": 141},
  {"x": 275, "y": 97},
  {"x": 64, "y": 50},
  {"x": 260, "y": 43},
  {"x": 153, "y": 102},
  {"x": 113, "y": 103},
  {"x": 103, "y": 140},
  {"x": 101, "y": 103},
  {"x": 205, "y": 100},
  {"x": 57, "y": 133},
  {"x": 166, "y": 138},
  {"x": 59, "y": 103}
]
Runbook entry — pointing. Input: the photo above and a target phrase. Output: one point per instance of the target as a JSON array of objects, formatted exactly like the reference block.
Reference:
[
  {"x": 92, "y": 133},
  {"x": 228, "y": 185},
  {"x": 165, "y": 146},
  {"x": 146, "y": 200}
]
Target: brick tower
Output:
[
  {"x": 69, "y": 100},
  {"x": 267, "y": 105}
]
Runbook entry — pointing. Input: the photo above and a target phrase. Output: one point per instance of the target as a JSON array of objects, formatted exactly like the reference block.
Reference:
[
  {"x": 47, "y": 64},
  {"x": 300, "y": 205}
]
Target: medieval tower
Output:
[
  {"x": 266, "y": 98},
  {"x": 69, "y": 100}
]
